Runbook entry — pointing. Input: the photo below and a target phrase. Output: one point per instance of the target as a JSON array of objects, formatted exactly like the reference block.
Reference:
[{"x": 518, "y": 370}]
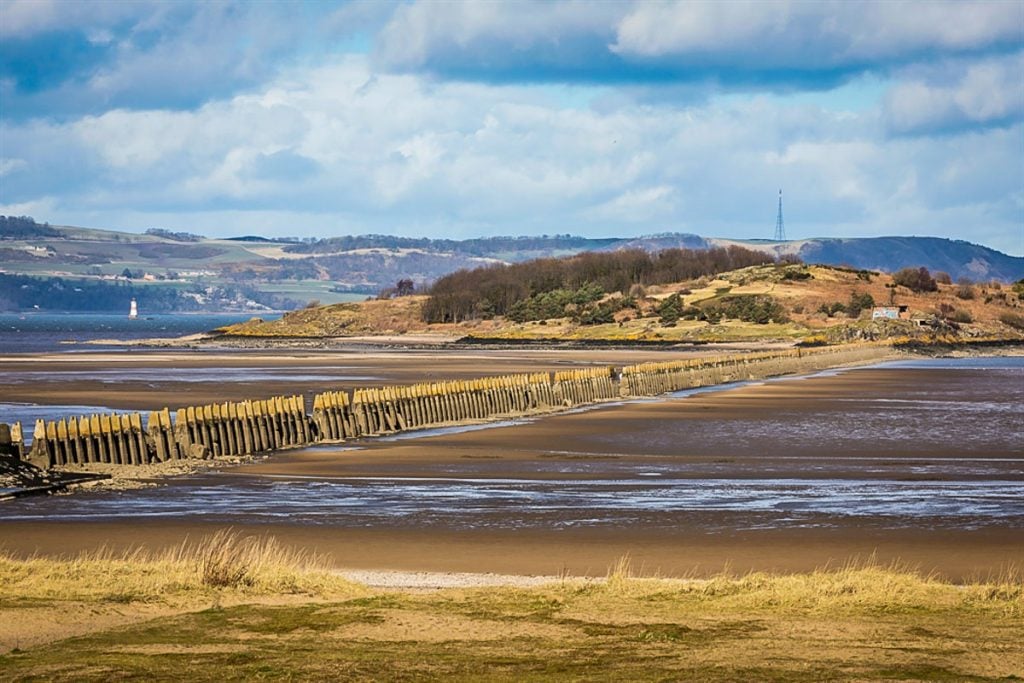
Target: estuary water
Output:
[
  {"x": 932, "y": 444},
  {"x": 54, "y": 332}
]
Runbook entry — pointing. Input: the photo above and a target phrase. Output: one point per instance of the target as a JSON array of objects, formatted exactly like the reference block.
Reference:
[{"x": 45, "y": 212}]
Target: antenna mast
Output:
[{"x": 780, "y": 228}]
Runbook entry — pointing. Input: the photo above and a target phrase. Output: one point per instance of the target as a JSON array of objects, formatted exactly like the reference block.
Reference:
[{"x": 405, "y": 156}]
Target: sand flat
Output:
[{"x": 753, "y": 433}]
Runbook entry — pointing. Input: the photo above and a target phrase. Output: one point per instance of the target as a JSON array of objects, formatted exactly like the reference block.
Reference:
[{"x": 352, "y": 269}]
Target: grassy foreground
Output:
[{"x": 229, "y": 608}]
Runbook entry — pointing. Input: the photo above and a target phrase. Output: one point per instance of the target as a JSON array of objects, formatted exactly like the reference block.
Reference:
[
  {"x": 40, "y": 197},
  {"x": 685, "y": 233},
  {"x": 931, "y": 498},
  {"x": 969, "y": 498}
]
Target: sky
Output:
[{"x": 464, "y": 119}]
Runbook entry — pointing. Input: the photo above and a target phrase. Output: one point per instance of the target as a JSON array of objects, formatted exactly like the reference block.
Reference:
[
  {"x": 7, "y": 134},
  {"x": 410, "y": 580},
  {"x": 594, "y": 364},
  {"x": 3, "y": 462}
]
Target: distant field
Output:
[{"x": 318, "y": 290}]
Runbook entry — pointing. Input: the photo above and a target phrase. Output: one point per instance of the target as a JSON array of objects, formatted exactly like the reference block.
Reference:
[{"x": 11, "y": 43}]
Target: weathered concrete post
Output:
[
  {"x": 18, "y": 440},
  {"x": 8, "y": 445},
  {"x": 156, "y": 435}
]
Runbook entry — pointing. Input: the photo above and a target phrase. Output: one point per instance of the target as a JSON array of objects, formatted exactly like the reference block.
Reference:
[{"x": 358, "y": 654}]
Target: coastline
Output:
[{"x": 599, "y": 439}]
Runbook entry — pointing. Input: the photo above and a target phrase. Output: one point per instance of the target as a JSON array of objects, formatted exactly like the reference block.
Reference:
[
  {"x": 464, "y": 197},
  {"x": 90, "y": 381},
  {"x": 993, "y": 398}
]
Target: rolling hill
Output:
[{"x": 280, "y": 273}]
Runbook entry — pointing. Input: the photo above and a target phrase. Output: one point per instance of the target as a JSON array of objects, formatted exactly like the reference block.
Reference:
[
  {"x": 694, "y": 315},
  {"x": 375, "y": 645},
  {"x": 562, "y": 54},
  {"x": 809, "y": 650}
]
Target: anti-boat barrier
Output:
[{"x": 279, "y": 423}]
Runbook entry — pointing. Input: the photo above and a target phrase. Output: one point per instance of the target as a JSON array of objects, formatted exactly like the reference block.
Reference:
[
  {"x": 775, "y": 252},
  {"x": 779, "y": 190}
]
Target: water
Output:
[
  {"x": 917, "y": 445},
  {"x": 49, "y": 332},
  {"x": 493, "y": 503}
]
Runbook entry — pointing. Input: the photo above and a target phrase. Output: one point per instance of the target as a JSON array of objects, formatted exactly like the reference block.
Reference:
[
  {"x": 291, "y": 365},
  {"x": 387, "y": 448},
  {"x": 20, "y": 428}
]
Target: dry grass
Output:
[
  {"x": 860, "y": 621},
  {"x": 225, "y": 560},
  {"x": 857, "y": 586}
]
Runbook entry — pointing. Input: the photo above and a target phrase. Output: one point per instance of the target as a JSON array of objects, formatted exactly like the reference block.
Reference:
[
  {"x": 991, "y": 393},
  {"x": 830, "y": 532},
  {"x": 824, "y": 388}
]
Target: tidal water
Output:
[
  {"x": 939, "y": 445},
  {"x": 49, "y": 332}
]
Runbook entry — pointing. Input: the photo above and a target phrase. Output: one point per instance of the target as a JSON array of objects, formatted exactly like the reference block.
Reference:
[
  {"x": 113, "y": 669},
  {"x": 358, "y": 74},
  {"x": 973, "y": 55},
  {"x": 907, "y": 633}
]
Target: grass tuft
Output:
[{"x": 224, "y": 560}]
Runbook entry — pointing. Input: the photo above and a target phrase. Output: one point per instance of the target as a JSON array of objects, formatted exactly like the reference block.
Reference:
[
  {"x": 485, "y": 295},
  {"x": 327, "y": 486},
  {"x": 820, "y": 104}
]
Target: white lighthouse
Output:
[{"x": 133, "y": 312}]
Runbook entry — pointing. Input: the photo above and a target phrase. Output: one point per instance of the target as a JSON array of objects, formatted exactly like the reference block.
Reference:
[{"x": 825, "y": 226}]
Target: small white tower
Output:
[{"x": 133, "y": 312}]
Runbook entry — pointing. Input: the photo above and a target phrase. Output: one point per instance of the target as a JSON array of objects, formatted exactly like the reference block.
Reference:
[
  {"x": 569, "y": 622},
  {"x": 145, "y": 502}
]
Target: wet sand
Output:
[
  {"x": 897, "y": 427},
  {"x": 578, "y": 553},
  {"x": 144, "y": 380}
]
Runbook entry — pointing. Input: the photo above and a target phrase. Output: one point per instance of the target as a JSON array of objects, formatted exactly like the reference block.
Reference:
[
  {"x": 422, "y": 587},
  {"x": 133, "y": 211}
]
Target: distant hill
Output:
[
  {"x": 888, "y": 254},
  {"x": 336, "y": 269}
]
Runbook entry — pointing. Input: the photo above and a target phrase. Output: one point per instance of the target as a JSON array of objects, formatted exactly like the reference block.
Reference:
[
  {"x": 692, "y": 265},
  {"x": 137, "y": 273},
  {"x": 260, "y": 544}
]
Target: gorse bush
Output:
[
  {"x": 604, "y": 312},
  {"x": 670, "y": 309},
  {"x": 760, "y": 309},
  {"x": 858, "y": 302},
  {"x": 554, "y": 304}
]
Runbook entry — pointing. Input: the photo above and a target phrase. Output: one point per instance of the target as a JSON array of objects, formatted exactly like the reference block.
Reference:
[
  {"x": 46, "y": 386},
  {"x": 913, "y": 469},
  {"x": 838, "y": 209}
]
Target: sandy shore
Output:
[{"x": 722, "y": 435}]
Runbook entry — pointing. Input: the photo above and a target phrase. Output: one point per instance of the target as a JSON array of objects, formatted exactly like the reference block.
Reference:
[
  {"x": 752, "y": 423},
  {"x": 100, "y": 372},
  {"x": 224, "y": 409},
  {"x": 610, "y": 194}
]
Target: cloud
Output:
[
  {"x": 501, "y": 41},
  {"x": 813, "y": 35},
  {"x": 339, "y": 148},
  {"x": 462, "y": 119},
  {"x": 741, "y": 44},
  {"x": 959, "y": 95},
  {"x": 60, "y": 59}
]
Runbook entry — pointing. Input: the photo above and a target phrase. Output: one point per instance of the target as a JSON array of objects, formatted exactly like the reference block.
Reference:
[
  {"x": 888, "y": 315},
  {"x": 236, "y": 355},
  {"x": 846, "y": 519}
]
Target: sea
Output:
[{"x": 68, "y": 332}]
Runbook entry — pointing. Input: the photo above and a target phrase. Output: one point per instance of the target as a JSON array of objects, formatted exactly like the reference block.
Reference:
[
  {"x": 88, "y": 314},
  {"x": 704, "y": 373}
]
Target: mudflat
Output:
[
  {"x": 149, "y": 380},
  {"x": 899, "y": 464}
]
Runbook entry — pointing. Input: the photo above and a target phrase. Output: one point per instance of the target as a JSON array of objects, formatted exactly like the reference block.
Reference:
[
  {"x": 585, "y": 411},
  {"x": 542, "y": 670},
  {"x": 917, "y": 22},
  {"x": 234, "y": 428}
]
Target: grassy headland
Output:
[{"x": 769, "y": 302}]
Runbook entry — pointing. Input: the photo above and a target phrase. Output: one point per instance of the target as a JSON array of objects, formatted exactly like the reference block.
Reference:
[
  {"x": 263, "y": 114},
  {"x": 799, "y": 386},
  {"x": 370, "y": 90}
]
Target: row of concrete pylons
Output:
[{"x": 251, "y": 427}]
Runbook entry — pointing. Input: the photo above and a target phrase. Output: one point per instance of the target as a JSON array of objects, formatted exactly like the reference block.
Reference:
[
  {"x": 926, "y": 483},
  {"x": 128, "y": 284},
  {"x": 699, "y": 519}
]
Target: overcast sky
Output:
[{"x": 461, "y": 119}]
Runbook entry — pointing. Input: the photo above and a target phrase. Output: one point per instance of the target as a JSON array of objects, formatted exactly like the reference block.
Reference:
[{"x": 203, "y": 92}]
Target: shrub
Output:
[
  {"x": 915, "y": 279},
  {"x": 670, "y": 309},
  {"x": 996, "y": 296},
  {"x": 1013, "y": 320},
  {"x": 605, "y": 312},
  {"x": 961, "y": 317},
  {"x": 965, "y": 291},
  {"x": 554, "y": 304},
  {"x": 832, "y": 308},
  {"x": 943, "y": 278},
  {"x": 858, "y": 302},
  {"x": 759, "y": 309}
]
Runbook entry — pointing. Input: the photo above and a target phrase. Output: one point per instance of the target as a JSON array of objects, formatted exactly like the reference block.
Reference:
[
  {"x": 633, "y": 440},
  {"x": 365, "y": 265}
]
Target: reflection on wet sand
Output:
[{"x": 903, "y": 461}]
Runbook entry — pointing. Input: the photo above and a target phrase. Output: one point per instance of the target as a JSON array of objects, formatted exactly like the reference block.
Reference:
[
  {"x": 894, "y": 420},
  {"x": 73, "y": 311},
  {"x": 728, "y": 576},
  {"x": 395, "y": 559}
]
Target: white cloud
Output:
[
  {"x": 641, "y": 205},
  {"x": 813, "y": 35},
  {"x": 747, "y": 43},
  {"x": 8, "y": 165},
  {"x": 958, "y": 95},
  {"x": 338, "y": 148}
]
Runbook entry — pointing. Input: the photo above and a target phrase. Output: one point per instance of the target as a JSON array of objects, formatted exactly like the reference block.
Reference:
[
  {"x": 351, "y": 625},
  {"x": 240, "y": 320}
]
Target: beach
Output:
[{"x": 906, "y": 463}]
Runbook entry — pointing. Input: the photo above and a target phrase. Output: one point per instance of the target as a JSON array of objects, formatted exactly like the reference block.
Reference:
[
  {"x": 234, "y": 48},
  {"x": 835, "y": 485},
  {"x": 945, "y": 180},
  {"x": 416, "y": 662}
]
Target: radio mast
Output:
[{"x": 780, "y": 228}]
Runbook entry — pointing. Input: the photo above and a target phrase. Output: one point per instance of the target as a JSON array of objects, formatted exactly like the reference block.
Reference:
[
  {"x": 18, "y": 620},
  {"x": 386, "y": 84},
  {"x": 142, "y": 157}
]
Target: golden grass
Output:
[
  {"x": 859, "y": 621},
  {"x": 858, "y": 586},
  {"x": 225, "y": 560}
]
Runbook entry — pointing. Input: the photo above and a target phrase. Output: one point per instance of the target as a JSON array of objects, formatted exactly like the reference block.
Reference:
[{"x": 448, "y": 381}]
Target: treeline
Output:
[
  {"x": 175, "y": 236},
  {"x": 22, "y": 292},
  {"x": 24, "y": 227},
  {"x": 484, "y": 246},
  {"x": 496, "y": 290}
]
